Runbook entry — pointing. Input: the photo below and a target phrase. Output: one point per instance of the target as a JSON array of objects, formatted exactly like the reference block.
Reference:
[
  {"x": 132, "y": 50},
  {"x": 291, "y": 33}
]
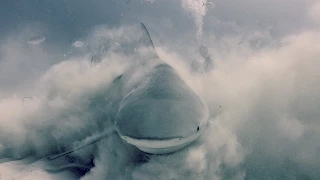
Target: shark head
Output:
[{"x": 160, "y": 113}]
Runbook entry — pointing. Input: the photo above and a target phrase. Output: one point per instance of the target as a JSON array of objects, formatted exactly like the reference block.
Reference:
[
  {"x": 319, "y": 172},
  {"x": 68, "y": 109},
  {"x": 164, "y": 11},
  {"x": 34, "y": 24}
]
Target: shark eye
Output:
[
  {"x": 198, "y": 128},
  {"x": 118, "y": 77}
]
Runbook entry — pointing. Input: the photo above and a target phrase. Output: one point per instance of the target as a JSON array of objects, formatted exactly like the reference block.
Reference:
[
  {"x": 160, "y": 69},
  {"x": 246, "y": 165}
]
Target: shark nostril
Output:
[{"x": 198, "y": 128}]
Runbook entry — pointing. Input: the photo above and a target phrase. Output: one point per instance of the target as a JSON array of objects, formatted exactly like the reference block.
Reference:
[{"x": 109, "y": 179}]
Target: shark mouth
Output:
[{"x": 159, "y": 146}]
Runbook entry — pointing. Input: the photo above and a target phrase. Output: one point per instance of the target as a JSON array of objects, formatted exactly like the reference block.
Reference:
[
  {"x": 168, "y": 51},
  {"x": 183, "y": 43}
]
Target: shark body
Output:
[
  {"x": 153, "y": 108},
  {"x": 159, "y": 112}
]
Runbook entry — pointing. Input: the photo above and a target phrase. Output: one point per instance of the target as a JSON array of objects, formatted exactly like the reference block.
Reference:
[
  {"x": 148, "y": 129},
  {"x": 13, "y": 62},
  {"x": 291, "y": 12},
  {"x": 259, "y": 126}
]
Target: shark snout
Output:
[{"x": 158, "y": 119}]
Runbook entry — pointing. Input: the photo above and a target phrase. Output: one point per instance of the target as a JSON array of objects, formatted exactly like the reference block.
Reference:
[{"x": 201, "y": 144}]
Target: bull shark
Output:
[{"x": 153, "y": 108}]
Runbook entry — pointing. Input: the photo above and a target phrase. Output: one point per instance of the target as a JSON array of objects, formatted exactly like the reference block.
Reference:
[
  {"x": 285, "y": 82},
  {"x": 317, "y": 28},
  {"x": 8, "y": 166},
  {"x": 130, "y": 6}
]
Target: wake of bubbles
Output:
[
  {"x": 70, "y": 103},
  {"x": 198, "y": 9},
  {"x": 264, "y": 106}
]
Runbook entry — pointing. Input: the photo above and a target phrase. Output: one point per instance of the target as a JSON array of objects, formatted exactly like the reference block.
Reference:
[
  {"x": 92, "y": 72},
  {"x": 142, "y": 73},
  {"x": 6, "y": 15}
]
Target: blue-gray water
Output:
[{"x": 263, "y": 90}]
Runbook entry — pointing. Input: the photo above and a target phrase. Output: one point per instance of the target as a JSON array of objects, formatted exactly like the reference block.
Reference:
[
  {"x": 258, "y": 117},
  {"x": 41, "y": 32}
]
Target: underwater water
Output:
[{"x": 254, "y": 63}]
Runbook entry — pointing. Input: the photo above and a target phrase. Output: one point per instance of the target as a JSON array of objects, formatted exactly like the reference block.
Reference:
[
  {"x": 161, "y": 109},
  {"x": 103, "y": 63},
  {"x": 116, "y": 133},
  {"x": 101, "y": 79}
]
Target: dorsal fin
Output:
[{"x": 146, "y": 39}]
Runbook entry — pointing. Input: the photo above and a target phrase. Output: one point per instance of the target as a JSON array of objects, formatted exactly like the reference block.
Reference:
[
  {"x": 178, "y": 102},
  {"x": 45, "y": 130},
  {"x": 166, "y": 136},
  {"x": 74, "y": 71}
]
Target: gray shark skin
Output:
[{"x": 164, "y": 107}]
